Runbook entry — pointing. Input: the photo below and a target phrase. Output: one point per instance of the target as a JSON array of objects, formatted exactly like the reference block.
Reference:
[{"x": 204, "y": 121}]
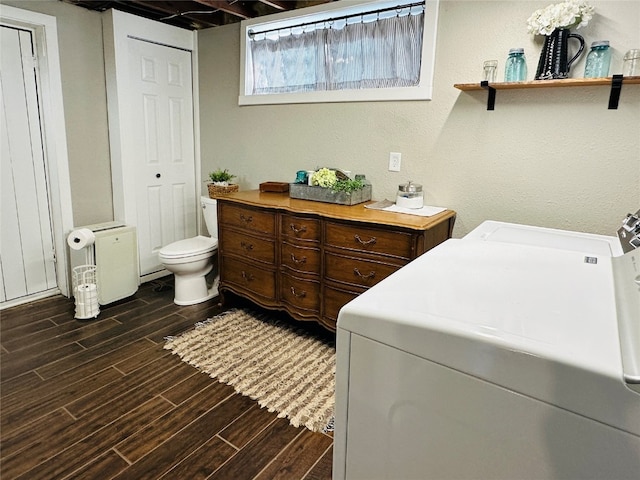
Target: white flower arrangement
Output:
[
  {"x": 324, "y": 178},
  {"x": 567, "y": 14}
]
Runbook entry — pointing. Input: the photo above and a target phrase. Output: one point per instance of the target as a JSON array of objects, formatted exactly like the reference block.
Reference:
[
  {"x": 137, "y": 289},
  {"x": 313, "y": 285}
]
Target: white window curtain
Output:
[{"x": 384, "y": 53}]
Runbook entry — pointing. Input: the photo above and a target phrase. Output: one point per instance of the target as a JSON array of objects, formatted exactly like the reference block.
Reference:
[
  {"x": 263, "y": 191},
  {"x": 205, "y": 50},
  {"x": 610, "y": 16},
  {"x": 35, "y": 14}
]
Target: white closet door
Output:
[
  {"x": 27, "y": 254},
  {"x": 162, "y": 114}
]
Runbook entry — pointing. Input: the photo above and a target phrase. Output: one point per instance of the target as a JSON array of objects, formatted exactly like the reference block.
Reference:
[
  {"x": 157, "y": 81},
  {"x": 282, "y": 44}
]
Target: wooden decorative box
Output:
[
  {"x": 279, "y": 187},
  {"x": 321, "y": 194}
]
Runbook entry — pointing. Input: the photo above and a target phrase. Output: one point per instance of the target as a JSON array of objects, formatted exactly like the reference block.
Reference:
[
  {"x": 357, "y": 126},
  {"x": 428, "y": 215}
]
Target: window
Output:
[{"x": 368, "y": 51}]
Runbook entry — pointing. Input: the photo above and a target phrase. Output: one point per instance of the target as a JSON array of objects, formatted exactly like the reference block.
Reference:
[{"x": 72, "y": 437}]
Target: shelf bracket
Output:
[
  {"x": 491, "y": 97},
  {"x": 614, "y": 96}
]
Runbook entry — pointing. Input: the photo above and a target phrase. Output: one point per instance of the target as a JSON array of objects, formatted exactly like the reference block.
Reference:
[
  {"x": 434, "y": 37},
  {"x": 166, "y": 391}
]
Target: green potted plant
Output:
[{"x": 221, "y": 183}]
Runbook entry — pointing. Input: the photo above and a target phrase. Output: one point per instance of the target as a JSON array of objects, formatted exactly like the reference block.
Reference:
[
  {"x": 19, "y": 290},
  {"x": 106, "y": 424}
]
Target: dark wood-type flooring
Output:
[{"x": 99, "y": 399}]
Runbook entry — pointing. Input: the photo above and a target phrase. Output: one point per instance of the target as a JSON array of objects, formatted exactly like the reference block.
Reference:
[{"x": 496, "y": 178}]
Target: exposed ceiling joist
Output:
[
  {"x": 197, "y": 14},
  {"x": 234, "y": 8}
]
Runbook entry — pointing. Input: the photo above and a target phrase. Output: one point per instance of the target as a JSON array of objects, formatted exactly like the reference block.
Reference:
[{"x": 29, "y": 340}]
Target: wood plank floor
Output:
[{"x": 102, "y": 399}]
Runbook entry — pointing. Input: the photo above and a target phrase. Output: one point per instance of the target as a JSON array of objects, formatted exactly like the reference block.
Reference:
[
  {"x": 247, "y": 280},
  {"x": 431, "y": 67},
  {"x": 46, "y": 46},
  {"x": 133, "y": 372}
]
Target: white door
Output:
[
  {"x": 27, "y": 252},
  {"x": 162, "y": 113},
  {"x": 152, "y": 131}
]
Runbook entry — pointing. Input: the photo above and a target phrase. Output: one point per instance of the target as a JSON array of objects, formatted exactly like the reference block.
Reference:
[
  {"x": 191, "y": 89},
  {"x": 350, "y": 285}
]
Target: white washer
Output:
[{"x": 496, "y": 356}]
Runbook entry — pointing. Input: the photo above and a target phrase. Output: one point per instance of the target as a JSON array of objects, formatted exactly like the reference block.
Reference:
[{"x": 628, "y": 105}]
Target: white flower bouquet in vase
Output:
[{"x": 555, "y": 21}]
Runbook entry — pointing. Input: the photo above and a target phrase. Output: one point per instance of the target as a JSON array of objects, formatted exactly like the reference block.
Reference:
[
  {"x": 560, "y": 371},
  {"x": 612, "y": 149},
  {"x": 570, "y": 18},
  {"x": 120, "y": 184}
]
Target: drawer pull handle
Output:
[
  {"x": 298, "y": 261},
  {"x": 248, "y": 219},
  {"x": 300, "y": 294},
  {"x": 371, "y": 274},
  {"x": 297, "y": 230},
  {"x": 247, "y": 276},
  {"x": 247, "y": 246},
  {"x": 371, "y": 241}
]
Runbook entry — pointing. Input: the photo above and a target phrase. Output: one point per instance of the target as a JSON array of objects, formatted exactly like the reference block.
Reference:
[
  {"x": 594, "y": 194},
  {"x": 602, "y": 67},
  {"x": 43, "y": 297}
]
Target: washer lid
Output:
[
  {"x": 546, "y": 302},
  {"x": 492, "y": 231},
  {"x": 189, "y": 247}
]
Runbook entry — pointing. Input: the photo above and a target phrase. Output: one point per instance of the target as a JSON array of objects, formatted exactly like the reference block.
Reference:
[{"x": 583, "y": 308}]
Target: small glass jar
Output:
[
  {"x": 515, "y": 69},
  {"x": 489, "y": 69},
  {"x": 410, "y": 195},
  {"x": 598, "y": 60},
  {"x": 631, "y": 63}
]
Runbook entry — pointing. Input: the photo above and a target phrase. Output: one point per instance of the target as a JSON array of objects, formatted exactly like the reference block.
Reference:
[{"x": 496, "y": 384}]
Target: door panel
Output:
[
  {"x": 164, "y": 156},
  {"x": 150, "y": 112},
  {"x": 27, "y": 248}
]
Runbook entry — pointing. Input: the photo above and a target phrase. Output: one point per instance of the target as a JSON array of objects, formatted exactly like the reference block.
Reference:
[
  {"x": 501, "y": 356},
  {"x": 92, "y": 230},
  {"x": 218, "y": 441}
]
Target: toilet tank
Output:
[{"x": 210, "y": 212}]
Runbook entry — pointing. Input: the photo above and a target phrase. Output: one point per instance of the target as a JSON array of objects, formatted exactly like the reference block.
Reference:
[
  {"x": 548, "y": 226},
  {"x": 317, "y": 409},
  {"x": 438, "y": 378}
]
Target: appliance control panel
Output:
[{"x": 629, "y": 233}]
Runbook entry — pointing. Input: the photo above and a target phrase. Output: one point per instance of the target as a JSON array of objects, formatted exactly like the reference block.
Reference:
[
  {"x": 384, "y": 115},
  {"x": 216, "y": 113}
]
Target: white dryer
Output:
[{"x": 511, "y": 353}]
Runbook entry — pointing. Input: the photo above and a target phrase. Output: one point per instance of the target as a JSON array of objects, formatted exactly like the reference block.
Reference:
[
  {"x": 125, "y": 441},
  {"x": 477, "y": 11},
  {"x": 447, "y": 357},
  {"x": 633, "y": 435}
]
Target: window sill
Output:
[{"x": 338, "y": 96}]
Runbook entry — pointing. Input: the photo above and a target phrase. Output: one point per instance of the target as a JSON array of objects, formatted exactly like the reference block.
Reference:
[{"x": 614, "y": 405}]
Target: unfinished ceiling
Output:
[{"x": 197, "y": 14}]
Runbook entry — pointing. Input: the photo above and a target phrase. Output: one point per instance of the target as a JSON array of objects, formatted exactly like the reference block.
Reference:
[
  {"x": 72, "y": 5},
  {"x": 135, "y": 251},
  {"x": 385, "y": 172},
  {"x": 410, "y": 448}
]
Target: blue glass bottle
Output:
[
  {"x": 598, "y": 60},
  {"x": 515, "y": 69}
]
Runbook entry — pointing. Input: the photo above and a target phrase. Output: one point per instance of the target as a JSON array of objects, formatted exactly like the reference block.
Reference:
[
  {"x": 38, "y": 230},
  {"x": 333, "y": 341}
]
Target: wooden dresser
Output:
[{"x": 310, "y": 258}]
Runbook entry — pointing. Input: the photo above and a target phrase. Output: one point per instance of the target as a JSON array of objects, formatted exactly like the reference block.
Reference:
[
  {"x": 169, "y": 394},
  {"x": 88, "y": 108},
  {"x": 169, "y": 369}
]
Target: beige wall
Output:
[
  {"x": 85, "y": 109},
  {"x": 551, "y": 157}
]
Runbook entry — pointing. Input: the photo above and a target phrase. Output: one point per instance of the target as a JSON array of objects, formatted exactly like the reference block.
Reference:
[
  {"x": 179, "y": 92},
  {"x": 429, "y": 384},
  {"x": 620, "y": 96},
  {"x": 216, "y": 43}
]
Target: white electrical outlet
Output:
[{"x": 395, "y": 159}]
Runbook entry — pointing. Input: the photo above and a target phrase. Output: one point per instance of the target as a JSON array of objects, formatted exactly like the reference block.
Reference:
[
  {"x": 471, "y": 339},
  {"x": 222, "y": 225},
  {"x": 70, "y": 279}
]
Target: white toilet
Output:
[{"x": 191, "y": 259}]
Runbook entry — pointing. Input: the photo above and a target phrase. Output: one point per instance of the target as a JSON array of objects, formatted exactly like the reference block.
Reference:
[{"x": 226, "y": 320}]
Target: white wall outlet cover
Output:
[{"x": 395, "y": 160}]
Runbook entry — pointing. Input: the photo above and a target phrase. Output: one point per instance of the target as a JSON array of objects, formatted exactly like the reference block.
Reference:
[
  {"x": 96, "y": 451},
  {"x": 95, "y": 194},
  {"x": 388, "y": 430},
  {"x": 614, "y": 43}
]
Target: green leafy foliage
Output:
[
  {"x": 220, "y": 175},
  {"x": 348, "y": 186}
]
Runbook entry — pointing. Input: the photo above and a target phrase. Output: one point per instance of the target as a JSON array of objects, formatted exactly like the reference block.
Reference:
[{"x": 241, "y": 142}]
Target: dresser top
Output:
[{"x": 358, "y": 213}]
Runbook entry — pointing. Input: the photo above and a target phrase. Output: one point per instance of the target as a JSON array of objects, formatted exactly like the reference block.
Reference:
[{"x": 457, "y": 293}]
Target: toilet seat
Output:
[{"x": 189, "y": 247}]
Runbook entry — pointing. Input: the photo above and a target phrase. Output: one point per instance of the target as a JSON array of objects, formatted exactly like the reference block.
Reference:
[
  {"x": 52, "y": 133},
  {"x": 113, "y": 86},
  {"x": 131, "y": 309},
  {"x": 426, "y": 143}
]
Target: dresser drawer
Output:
[
  {"x": 247, "y": 246},
  {"x": 356, "y": 271},
  {"x": 301, "y": 259},
  {"x": 301, "y": 228},
  {"x": 333, "y": 300},
  {"x": 250, "y": 278},
  {"x": 366, "y": 239},
  {"x": 247, "y": 218},
  {"x": 300, "y": 294}
]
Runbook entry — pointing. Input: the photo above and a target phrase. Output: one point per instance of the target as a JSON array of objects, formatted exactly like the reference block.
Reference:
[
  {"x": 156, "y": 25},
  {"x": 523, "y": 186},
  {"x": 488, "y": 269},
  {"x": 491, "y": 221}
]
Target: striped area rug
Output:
[{"x": 285, "y": 369}]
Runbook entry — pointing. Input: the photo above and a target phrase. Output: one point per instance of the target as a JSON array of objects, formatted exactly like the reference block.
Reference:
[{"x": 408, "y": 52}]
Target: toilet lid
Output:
[{"x": 189, "y": 247}]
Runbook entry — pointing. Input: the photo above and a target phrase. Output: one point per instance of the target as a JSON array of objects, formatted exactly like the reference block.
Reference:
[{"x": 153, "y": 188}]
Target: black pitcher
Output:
[{"x": 553, "y": 58}]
